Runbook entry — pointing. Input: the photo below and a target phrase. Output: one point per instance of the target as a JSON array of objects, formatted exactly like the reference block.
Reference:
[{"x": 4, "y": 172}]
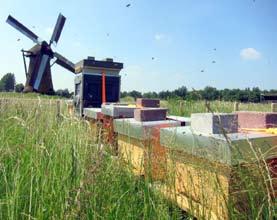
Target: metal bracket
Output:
[{"x": 24, "y": 61}]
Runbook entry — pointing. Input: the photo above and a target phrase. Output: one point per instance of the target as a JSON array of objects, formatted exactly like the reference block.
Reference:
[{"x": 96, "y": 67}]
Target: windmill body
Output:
[{"x": 38, "y": 75}]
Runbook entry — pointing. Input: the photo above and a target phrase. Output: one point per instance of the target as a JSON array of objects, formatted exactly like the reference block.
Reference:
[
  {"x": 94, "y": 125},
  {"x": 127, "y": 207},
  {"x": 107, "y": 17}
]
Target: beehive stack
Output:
[
  {"x": 70, "y": 107},
  {"x": 257, "y": 120},
  {"x": 148, "y": 103},
  {"x": 150, "y": 114},
  {"x": 95, "y": 119},
  {"x": 138, "y": 139},
  {"x": 204, "y": 162},
  {"x": 110, "y": 113},
  {"x": 138, "y": 144}
]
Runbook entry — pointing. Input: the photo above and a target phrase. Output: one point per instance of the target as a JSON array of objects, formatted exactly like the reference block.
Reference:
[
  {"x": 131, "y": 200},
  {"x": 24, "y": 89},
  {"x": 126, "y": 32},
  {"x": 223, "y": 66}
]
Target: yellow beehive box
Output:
[
  {"x": 138, "y": 144},
  {"x": 209, "y": 175}
]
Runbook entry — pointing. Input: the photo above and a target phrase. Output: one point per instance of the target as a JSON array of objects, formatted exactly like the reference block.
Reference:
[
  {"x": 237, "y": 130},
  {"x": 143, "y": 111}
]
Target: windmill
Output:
[{"x": 38, "y": 75}]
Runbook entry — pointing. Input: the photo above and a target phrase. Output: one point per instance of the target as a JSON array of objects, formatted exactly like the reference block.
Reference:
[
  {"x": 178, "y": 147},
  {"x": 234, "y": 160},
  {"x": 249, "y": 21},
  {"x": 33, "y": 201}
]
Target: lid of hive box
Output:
[
  {"x": 91, "y": 64},
  {"x": 255, "y": 119},
  {"x": 145, "y": 102},
  {"x": 118, "y": 110},
  {"x": 185, "y": 121},
  {"x": 229, "y": 149},
  {"x": 150, "y": 114},
  {"x": 214, "y": 123},
  {"x": 94, "y": 113},
  {"x": 141, "y": 130}
]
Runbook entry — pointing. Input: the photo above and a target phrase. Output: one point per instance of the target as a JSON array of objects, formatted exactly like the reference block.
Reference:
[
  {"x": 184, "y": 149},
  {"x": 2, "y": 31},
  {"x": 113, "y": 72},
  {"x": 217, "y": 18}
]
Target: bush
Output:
[
  {"x": 7, "y": 83},
  {"x": 19, "y": 87},
  {"x": 63, "y": 93}
]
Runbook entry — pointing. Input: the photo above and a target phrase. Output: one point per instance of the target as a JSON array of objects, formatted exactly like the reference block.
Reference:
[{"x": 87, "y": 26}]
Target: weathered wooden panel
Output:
[
  {"x": 206, "y": 185},
  {"x": 133, "y": 154},
  {"x": 146, "y": 157},
  {"x": 144, "y": 102},
  {"x": 150, "y": 114},
  {"x": 251, "y": 119}
]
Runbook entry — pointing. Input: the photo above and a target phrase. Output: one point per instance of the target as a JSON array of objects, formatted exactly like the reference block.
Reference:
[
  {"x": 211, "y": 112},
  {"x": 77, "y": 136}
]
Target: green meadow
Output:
[{"x": 51, "y": 167}]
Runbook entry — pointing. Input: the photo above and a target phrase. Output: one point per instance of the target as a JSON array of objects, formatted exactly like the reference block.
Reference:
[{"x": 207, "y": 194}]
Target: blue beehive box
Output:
[{"x": 89, "y": 82}]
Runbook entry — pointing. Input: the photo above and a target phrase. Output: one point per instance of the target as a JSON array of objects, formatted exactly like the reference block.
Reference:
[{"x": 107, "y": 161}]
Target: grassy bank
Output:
[
  {"x": 50, "y": 168},
  {"x": 185, "y": 108}
]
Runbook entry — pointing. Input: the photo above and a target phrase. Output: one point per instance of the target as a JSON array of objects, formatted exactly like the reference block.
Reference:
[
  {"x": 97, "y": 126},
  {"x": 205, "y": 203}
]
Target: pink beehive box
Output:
[{"x": 257, "y": 120}]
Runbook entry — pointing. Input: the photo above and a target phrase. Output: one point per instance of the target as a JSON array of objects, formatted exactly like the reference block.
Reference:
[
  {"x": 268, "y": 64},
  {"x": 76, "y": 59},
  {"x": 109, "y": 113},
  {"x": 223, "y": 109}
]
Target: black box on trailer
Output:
[{"x": 92, "y": 76}]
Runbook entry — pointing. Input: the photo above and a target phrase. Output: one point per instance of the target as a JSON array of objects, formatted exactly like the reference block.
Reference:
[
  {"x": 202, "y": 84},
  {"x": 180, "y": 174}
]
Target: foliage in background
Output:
[
  {"x": 185, "y": 107},
  {"x": 19, "y": 87},
  {"x": 208, "y": 93},
  {"x": 7, "y": 82},
  {"x": 63, "y": 93}
]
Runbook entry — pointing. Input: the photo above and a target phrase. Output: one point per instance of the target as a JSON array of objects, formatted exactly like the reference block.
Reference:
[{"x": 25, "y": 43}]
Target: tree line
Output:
[
  {"x": 208, "y": 93},
  {"x": 8, "y": 84}
]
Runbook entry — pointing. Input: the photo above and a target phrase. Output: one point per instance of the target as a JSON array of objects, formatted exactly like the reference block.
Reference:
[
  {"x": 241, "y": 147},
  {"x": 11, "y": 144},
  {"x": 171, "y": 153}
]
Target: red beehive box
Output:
[
  {"x": 261, "y": 120},
  {"x": 150, "y": 114},
  {"x": 152, "y": 103}
]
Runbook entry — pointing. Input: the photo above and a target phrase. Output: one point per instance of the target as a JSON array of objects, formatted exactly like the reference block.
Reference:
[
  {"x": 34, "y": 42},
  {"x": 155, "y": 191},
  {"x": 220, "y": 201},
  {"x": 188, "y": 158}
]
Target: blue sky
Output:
[{"x": 183, "y": 36}]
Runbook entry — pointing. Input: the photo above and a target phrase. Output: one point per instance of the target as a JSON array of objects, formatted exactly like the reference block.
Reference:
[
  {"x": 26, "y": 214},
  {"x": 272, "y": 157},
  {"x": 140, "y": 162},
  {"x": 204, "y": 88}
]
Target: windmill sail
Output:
[{"x": 24, "y": 30}]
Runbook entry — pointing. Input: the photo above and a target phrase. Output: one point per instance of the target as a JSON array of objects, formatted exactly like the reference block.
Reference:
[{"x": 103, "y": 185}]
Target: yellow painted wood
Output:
[
  {"x": 213, "y": 187},
  {"x": 95, "y": 129},
  {"x": 146, "y": 157},
  {"x": 184, "y": 202},
  {"x": 198, "y": 186},
  {"x": 70, "y": 109},
  {"x": 133, "y": 155},
  {"x": 263, "y": 130}
]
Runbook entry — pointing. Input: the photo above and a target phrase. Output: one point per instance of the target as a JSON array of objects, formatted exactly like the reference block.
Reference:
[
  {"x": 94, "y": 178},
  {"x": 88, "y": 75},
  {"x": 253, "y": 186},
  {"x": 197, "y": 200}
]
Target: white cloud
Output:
[
  {"x": 250, "y": 54},
  {"x": 159, "y": 36}
]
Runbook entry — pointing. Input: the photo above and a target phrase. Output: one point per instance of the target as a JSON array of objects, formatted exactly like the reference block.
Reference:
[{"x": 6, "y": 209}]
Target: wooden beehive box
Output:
[
  {"x": 70, "y": 107},
  {"x": 206, "y": 172},
  {"x": 95, "y": 119},
  {"x": 110, "y": 112},
  {"x": 138, "y": 144}
]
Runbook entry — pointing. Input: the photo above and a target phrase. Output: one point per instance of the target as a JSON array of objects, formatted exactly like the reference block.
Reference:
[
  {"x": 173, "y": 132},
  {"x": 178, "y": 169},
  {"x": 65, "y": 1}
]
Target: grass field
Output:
[{"x": 50, "y": 167}]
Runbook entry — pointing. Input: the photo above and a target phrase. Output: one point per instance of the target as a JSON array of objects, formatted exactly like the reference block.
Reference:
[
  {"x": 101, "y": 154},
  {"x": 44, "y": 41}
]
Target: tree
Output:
[
  {"x": 19, "y": 87},
  {"x": 7, "y": 83},
  {"x": 210, "y": 93},
  {"x": 165, "y": 94},
  {"x": 193, "y": 95},
  {"x": 181, "y": 92},
  {"x": 151, "y": 95},
  {"x": 63, "y": 93},
  {"x": 255, "y": 95},
  {"x": 123, "y": 94},
  {"x": 135, "y": 94}
]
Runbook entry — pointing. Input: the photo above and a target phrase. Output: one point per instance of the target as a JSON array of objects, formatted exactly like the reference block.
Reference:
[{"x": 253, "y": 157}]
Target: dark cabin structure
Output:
[
  {"x": 96, "y": 82},
  {"x": 269, "y": 97}
]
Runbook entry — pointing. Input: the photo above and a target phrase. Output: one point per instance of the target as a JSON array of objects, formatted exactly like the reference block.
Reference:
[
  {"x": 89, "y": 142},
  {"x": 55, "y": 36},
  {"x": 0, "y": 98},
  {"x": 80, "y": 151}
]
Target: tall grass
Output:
[
  {"x": 185, "y": 108},
  {"x": 26, "y": 95},
  {"x": 50, "y": 168}
]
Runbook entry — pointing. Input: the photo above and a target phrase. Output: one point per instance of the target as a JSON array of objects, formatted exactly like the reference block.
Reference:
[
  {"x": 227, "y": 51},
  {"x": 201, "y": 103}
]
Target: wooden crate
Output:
[
  {"x": 109, "y": 136},
  {"x": 209, "y": 190},
  {"x": 70, "y": 109},
  {"x": 146, "y": 157},
  {"x": 201, "y": 188},
  {"x": 96, "y": 129}
]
